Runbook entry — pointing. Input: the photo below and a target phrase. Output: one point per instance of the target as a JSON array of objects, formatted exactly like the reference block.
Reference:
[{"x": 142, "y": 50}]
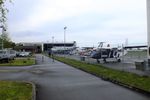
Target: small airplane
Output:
[{"x": 106, "y": 53}]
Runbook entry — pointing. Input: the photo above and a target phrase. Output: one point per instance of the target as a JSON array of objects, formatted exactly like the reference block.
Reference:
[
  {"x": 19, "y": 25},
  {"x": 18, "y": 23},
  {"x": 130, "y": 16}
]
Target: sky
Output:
[{"x": 88, "y": 21}]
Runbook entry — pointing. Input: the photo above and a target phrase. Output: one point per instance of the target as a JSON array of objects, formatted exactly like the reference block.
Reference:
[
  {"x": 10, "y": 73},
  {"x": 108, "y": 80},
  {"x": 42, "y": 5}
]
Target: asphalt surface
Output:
[{"x": 57, "y": 81}]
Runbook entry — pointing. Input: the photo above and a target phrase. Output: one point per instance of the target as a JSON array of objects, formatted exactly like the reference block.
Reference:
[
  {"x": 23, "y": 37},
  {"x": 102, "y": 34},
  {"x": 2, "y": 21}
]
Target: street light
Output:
[
  {"x": 52, "y": 41},
  {"x": 64, "y": 38},
  {"x": 52, "y": 53}
]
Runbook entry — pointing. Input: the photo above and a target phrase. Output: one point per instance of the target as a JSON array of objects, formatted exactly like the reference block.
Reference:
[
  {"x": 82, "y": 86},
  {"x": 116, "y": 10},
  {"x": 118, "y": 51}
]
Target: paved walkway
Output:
[{"x": 57, "y": 81}]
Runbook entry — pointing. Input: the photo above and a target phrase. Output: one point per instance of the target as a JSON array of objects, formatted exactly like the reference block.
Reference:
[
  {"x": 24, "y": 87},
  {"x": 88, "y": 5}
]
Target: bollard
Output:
[
  {"x": 42, "y": 58},
  {"x": 82, "y": 58},
  {"x": 53, "y": 60}
]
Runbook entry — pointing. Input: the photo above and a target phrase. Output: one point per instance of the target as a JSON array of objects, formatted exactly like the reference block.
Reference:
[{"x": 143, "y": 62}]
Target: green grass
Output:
[
  {"x": 15, "y": 90},
  {"x": 130, "y": 79},
  {"x": 20, "y": 62}
]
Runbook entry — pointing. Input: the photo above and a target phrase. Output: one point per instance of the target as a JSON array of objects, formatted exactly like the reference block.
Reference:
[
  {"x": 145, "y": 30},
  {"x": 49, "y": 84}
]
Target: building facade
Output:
[
  {"x": 45, "y": 47},
  {"x": 57, "y": 45}
]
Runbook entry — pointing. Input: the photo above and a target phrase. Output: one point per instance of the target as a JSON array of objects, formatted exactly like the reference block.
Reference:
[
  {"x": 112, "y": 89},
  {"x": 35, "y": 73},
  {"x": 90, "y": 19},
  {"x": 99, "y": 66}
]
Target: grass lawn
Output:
[
  {"x": 20, "y": 62},
  {"x": 10, "y": 90},
  {"x": 141, "y": 82}
]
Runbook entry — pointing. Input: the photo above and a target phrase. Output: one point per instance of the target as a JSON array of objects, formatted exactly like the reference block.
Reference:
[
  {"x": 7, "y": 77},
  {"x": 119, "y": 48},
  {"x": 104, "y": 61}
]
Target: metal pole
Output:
[
  {"x": 64, "y": 38},
  {"x": 123, "y": 52},
  {"x": 52, "y": 41},
  {"x": 52, "y": 47},
  {"x": 148, "y": 31}
]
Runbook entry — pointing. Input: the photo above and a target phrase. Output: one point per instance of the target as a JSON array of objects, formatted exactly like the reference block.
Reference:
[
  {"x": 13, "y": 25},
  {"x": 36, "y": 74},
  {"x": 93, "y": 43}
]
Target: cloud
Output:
[
  {"x": 27, "y": 36},
  {"x": 54, "y": 10},
  {"x": 106, "y": 20}
]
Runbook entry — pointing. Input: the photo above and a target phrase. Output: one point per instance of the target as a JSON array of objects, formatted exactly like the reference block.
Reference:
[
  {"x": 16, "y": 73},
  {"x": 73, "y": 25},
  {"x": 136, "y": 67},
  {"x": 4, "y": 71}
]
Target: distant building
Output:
[
  {"x": 32, "y": 47},
  {"x": 59, "y": 46},
  {"x": 42, "y": 47}
]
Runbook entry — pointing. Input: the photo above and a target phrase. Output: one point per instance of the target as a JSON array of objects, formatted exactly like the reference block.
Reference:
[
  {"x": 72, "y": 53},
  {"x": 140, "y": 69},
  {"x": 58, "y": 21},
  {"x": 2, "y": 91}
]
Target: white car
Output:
[{"x": 24, "y": 54}]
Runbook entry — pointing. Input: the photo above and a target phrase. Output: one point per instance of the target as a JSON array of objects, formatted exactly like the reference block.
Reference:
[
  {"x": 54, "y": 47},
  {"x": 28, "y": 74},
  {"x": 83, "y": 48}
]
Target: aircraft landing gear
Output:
[
  {"x": 119, "y": 60},
  {"x": 98, "y": 61}
]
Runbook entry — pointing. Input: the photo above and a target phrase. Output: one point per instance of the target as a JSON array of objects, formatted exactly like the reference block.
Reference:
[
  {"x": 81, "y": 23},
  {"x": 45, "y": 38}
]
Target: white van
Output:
[{"x": 7, "y": 54}]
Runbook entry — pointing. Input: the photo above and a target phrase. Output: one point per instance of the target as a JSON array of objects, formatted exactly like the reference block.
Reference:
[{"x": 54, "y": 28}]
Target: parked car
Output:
[
  {"x": 24, "y": 54},
  {"x": 7, "y": 54}
]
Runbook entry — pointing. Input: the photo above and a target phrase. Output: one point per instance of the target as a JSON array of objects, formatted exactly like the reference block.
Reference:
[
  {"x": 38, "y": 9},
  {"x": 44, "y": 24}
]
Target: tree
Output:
[
  {"x": 3, "y": 12},
  {"x": 3, "y": 19},
  {"x": 4, "y": 37}
]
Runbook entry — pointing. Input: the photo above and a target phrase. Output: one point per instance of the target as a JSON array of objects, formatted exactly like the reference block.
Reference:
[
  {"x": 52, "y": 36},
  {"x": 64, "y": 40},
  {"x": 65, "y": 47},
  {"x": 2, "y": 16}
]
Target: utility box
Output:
[{"x": 140, "y": 65}]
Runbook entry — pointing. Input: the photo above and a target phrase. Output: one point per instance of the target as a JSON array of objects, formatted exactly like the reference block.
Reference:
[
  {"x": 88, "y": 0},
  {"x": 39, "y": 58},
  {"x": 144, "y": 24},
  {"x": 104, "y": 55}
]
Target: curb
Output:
[
  {"x": 114, "y": 81},
  {"x": 126, "y": 85},
  {"x": 119, "y": 83},
  {"x": 33, "y": 90}
]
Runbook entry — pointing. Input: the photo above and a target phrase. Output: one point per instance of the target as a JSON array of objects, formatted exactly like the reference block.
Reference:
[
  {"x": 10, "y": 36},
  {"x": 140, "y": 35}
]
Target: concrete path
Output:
[{"x": 57, "y": 81}]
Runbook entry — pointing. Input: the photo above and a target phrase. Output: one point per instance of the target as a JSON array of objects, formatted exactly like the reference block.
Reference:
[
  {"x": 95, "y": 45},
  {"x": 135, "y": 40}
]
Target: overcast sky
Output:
[{"x": 88, "y": 21}]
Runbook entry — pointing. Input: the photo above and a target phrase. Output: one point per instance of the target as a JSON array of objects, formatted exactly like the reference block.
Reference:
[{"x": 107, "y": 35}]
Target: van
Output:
[{"x": 7, "y": 54}]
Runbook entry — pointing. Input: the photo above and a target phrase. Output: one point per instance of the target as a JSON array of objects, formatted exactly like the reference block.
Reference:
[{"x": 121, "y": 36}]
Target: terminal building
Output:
[
  {"x": 30, "y": 47},
  {"x": 58, "y": 46},
  {"x": 45, "y": 47}
]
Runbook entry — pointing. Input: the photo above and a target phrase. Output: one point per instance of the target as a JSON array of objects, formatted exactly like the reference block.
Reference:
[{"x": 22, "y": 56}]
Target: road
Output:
[{"x": 57, "y": 81}]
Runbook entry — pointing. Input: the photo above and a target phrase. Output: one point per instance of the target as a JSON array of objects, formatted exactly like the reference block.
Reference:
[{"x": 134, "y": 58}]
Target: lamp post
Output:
[
  {"x": 52, "y": 53},
  {"x": 148, "y": 31},
  {"x": 52, "y": 41},
  {"x": 64, "y": 38}
]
